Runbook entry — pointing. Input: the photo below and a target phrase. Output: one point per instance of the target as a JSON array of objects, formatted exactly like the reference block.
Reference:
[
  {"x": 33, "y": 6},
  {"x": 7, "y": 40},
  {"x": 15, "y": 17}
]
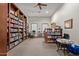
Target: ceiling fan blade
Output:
[
  {"x": 35, "y": 5},
  {"x": 40, "y": 7},
  {"x": 43, "y": 4}
]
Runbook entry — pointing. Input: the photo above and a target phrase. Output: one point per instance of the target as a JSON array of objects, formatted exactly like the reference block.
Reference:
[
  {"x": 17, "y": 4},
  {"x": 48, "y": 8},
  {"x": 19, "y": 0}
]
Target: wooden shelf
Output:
[
  {"x": 17, "y": 21},
  {"x": 14, "y": 27},
  {"x": 52, "y": 37},
  {"x": 14, "y": 41}
]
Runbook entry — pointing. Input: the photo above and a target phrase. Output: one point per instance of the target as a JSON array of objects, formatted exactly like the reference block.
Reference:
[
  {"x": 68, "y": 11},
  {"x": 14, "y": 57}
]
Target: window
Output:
[
  {"x": 35, "y": 27},
  {"x": 44, "y": 25}
]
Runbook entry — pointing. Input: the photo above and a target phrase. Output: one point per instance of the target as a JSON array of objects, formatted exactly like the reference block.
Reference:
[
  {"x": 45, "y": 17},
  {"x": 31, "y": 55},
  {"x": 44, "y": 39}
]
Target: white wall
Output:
[
  {"x": 39, "y": 21},
  {"x": 68, "y": 11}
]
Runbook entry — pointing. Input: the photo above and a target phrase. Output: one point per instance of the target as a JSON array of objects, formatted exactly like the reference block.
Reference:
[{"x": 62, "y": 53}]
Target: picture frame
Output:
[{"x": 68, "y": 24}]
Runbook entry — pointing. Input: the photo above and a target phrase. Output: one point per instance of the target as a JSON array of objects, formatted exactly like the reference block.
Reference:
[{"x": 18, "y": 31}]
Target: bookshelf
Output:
[
  {"x": 51, "y": 35},
  {"x": 56, "y": 34},
  {"x": 16, "y": 29},
  {"x": 13, "y": 27}
]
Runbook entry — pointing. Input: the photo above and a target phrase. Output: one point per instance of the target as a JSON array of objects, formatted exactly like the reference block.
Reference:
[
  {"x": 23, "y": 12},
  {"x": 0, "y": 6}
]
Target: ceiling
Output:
[{"x": 31, "y": 11}]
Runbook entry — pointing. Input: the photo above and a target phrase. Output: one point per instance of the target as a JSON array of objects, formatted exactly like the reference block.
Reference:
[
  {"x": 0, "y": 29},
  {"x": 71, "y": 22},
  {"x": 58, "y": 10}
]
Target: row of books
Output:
[
  {"x": 13, "y": 30},
  {"x": 15, "y": 38},
  {"x": 15, "y": 26},
  {"x": 55, "y": 37},
  {"x": 13, "y": 34},
  {"x": 54, "y": 33},
  {"x": 20, "y": 22}
]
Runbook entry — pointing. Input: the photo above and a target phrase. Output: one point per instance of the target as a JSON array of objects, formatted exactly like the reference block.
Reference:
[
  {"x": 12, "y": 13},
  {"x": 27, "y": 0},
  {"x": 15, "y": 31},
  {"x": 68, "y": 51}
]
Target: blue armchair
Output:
[{"x": 73, "y": 48}]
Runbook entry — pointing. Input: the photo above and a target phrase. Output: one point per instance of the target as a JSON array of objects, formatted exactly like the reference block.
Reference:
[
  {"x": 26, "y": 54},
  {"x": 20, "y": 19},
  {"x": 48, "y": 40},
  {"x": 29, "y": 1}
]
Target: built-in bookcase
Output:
[{"x": 16, "y": 28}]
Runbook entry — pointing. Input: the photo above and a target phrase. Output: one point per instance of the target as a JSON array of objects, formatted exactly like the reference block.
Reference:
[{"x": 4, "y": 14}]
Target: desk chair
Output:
[
  {"x": 66, "y": 36},
  {"x": 64, "y": 46}
]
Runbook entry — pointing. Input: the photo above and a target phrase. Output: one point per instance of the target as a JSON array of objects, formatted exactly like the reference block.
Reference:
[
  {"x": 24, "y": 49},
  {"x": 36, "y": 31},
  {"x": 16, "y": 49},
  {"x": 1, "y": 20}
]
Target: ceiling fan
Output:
[{"x": 40, "y": 5}]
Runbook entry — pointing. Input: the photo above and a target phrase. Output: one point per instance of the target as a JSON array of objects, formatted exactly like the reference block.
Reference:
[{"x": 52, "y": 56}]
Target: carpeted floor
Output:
[{"x": 35, "y": 47}]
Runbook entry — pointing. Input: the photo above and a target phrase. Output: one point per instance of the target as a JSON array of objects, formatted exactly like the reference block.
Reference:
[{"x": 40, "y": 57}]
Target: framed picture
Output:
[{"x": 68, "y": 24}]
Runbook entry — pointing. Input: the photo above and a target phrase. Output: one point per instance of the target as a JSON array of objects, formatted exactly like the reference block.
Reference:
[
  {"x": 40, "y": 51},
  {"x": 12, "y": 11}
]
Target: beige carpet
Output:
[{"x": 34, "y": 47}]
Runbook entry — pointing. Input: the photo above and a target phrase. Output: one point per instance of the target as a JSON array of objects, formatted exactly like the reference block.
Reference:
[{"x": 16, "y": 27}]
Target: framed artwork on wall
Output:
[{"x": 68, "y": 24}]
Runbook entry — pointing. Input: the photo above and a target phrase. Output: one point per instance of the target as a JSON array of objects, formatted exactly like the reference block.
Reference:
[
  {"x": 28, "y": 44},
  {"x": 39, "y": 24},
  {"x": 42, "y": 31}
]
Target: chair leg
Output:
[
  {"x": 58, "y": 47},
  {"x": 64, "y": 51}
]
